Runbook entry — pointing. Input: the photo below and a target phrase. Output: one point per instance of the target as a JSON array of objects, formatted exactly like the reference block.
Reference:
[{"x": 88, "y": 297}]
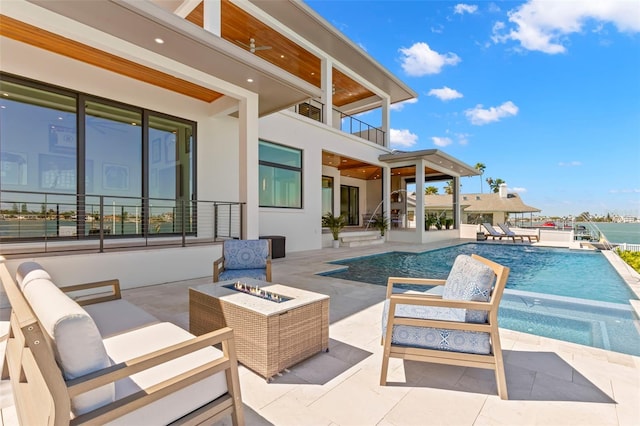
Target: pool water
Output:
[
  {"x": 575, "y": 296},
  {"x": 563, "y": 272}
]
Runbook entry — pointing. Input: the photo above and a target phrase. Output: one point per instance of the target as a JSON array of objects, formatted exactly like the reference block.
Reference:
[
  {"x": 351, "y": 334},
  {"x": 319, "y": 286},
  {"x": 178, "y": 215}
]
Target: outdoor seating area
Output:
[{"x": 549, "y": 381}]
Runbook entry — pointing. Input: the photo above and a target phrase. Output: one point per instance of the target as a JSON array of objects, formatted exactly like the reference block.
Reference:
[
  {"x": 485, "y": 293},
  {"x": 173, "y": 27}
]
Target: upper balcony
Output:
[
  {"x": 363, "y": 86},
  {"x": 313, "y": 109}
]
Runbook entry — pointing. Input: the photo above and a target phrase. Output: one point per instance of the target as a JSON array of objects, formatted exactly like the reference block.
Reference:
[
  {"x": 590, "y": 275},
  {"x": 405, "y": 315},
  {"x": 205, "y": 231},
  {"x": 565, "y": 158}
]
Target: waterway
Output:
[{"x": 620, "y": 232}]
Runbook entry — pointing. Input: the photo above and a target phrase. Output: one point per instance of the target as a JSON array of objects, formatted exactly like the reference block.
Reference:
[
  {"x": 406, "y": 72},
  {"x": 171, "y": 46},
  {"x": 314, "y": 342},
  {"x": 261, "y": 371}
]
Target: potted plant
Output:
[
  {"x": 428, "y": 221},
  {"x": 448, "y": 223},
  {"x": 335, "y": 225},
  {"x": 381, "y": 223}
]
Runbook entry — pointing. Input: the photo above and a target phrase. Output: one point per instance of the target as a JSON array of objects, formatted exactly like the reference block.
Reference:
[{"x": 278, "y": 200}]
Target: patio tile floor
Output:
[{"x": 550, "y": 382}]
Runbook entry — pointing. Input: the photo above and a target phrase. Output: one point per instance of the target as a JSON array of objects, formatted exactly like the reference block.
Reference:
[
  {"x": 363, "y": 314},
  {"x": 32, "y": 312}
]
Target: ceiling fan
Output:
[{"x": 252, "y": 45}]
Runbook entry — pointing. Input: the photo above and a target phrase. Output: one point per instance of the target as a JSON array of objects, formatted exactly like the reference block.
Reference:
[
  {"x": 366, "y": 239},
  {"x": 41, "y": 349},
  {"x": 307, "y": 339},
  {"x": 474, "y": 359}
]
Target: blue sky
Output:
[{"x": 545, "y": 93}]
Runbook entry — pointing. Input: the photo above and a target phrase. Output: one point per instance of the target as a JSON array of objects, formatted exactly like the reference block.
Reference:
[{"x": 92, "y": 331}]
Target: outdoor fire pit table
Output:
[{"x": 275, "y": 326}]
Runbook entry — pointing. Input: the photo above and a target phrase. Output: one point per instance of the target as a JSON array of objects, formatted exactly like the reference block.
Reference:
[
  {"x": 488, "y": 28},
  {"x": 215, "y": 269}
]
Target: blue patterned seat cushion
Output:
[
  {"x": 469, "y": 279},
  {"x": 245, "y": 254},
  {"x": 234, "y": 274},
  {"x": 435, "y": 338}
]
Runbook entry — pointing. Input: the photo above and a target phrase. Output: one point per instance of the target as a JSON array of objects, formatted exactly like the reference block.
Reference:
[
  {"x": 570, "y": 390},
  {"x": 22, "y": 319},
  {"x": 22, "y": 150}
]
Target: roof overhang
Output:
[
  {"x": 437, "y": 159},
  {"x": 140, "y": 22},
  {"x": 303, "y": 20}
]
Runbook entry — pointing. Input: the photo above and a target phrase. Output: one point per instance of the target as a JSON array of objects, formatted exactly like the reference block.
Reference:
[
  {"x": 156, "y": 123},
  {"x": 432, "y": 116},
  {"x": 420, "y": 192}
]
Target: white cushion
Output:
[
  {"x": 75, "y": 339},
  {"x": 139, "y": 342},
  {"x": 118, "y": 316},
  {"x": 29, "y": 271}
]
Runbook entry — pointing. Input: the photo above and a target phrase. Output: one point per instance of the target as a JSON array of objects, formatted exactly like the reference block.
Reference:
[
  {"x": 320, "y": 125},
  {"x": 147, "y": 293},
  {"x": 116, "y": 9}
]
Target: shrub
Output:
[{"x": 631, "y": 257}]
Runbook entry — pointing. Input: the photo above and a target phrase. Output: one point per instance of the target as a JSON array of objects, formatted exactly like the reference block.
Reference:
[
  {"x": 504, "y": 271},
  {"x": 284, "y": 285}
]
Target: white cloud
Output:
[
  {"x": 419, "y": 60},
  {"x": 518, "y": 189},
  {"x": 480, "y": 116},
  {"x": 438, "y": 141},
  {"x": 399, "y": 106},
  {"x": 544, "y": 25},
  {"x": 445, "y": 94},
  {"x": 462, "y": 8},
  {"x": 569, "y": 164},
  {"x": 402, "y": 138},
  {"x": 437, "y": 29}
]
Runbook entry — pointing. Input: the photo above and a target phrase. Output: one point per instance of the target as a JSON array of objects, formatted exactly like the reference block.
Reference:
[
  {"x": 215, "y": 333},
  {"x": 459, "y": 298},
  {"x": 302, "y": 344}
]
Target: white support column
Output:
[
  {"x": 386, "y": 195},
  {"x": 420, "y": 164},
  {"x": 386, "y": 120},
  {"x": 248, "y": 165},
  {"x": 327, "y": 91},
  {"x": 212, "y": 17},
  {"x": 456, "y": 202}
]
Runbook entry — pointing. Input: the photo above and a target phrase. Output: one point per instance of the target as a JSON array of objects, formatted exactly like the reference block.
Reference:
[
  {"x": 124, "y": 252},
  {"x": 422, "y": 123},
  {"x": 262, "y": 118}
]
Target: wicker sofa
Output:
[{"x": 98, "y": 359}]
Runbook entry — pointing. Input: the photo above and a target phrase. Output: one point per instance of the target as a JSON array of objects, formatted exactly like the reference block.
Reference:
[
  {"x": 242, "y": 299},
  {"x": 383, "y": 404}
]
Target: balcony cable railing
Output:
[
  {"x": 352, "y": 125},
  {"x": 45, "y": 221}
]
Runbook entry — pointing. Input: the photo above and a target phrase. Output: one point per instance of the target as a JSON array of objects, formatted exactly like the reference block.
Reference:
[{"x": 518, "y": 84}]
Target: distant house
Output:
[{"x": 494, "y": 208}]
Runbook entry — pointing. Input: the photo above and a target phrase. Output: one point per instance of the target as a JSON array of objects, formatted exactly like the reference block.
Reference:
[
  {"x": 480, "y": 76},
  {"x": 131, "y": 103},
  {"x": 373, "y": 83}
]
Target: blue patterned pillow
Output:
[
  {"x": 469, "y": 279},
  {"x": 246, "y": 254}
]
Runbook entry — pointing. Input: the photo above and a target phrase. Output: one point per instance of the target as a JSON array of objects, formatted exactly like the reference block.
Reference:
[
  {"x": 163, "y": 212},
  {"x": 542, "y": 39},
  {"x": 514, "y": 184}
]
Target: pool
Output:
[{"x": 575, "y": 296}]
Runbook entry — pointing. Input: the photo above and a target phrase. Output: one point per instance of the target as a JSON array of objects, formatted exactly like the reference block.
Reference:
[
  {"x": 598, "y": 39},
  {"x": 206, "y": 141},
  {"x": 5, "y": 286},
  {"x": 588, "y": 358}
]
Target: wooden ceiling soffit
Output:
[
  {"x": 29, "y": 34},
  {"x": 347, "y": 90},
  {"x": 197, "y": 15},
  {"x": 239, "y": 27}
]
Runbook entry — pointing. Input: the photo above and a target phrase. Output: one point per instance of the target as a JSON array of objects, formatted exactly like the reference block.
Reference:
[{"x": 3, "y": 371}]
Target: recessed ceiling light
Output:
[
  {"x": 158, "y": 40},
  {"x": 282, "y": 56},
  {"x": 249, "y": 80}
]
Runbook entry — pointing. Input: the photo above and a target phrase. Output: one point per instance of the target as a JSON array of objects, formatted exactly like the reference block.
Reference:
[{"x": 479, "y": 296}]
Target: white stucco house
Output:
[{"x": 135, "y": 122}]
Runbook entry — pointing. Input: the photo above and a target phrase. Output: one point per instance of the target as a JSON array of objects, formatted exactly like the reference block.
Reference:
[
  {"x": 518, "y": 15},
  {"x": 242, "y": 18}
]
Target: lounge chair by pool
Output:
[
  {"x": 499, "y": 235},
  {"x": 508, "y": 232}
]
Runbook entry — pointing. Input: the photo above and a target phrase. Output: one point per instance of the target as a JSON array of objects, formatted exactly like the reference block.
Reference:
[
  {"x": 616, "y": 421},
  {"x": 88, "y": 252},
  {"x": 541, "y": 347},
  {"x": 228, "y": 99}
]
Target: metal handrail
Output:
[
  {"x": 117, "y": 220},
  {"x": 354, "y": 126}
]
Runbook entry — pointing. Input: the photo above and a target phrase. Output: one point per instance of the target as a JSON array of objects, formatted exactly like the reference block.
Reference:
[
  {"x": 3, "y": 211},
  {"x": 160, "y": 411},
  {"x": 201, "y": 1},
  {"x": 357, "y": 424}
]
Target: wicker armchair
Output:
[
  {"x": 243, "y": 259},
  {"x": 459, "y": 328}
]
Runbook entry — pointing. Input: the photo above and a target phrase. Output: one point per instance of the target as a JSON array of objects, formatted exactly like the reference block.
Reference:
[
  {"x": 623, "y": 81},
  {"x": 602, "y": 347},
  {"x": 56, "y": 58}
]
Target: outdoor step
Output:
[
  {"x": 360, "y": 240},
  {"x": 365, "y": 237}
]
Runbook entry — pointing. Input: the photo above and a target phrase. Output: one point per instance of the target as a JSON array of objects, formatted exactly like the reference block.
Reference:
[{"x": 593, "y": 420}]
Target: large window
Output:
[
  {"x": 70, "y": 160},
  {"x": 280, "y": 176}
]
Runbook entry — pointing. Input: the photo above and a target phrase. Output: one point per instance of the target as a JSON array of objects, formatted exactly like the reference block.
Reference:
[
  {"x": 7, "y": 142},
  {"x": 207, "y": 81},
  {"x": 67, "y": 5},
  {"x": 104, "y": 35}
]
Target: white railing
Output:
[{"x": 629, "y": 247}]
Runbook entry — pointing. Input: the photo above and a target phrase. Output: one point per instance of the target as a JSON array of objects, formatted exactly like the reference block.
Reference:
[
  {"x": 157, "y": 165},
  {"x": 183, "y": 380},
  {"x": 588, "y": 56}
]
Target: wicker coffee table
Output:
[{"x": 269, "y": 336}]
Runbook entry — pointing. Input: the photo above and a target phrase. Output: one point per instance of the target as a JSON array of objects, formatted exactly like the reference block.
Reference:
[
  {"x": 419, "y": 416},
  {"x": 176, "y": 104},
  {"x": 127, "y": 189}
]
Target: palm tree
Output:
[
  {"x": 480, "y": 167},
  {"x": 448, "y": 189},
  {"x": 430, "y": 190},
  {"x": 494, "y": 184}
]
